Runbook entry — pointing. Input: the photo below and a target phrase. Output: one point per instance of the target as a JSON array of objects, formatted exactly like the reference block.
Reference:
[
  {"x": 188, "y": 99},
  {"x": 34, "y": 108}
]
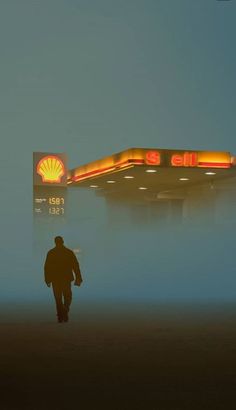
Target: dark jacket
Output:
[{"x": 60, "y": 264}]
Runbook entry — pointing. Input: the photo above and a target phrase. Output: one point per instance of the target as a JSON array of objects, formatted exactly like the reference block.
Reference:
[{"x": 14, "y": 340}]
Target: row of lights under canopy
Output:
[{"x": 150, "y": 171}]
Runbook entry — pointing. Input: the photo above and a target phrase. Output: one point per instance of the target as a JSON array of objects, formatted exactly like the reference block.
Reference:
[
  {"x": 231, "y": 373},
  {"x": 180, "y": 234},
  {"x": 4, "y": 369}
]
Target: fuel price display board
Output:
[{"x": 49, "y": 202}]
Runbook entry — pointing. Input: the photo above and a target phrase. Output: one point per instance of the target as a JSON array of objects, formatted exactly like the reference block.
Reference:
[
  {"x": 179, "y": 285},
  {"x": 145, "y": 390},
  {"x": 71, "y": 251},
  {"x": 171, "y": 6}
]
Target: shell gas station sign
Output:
[{"x": 49, "y": 169}]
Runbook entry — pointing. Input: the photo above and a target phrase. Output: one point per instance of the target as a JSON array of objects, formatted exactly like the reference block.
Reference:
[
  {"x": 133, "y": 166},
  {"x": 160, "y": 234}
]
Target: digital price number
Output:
[
  {"x": 49, "y": 203},
  {"x": 56, "y": 210},
  {"x": 56, "y": 201}
]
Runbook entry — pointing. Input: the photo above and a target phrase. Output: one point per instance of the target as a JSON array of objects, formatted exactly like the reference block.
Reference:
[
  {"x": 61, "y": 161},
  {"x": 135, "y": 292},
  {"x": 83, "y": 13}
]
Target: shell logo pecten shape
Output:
[{"x": 51, "y": 169}]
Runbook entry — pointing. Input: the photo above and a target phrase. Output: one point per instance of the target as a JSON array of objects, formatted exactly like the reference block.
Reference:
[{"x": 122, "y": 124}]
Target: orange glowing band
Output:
[
  {"x": 214, "y": 160},
  {"x": 214, "y": 164},
  {"x": 51, "y": 169},
  {"x": 101, "y": 171}
]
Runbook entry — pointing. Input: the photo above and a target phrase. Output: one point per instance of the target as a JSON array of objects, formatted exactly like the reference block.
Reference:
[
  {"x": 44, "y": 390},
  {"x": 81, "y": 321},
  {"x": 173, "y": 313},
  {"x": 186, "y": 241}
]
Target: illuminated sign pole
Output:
[{"x": 49, "y": 192}]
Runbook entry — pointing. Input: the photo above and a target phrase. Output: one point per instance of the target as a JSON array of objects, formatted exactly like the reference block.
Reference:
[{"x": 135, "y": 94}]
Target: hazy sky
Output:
[{"x": 92, "y": 77}]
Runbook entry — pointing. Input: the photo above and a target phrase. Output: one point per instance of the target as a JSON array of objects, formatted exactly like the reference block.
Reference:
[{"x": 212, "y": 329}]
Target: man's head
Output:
[{"x": 59, "y": 241}]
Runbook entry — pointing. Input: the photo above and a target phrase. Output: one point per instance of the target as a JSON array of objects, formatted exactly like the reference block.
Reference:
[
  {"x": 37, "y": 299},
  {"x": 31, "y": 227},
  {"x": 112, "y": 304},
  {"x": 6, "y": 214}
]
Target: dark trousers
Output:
[{"x": 63, "y": 297}]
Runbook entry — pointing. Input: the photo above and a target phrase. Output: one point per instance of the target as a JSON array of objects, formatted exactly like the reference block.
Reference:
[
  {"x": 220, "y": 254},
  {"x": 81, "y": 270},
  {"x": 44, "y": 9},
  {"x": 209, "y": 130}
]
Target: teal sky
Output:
[
  {"x": 91, "y": 78},
  {"x": 94, "y": 77}
]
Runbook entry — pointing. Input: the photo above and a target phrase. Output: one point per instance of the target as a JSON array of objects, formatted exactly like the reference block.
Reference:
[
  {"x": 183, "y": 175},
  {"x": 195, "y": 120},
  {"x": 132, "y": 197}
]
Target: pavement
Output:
[{"x": 127, "y": 356}]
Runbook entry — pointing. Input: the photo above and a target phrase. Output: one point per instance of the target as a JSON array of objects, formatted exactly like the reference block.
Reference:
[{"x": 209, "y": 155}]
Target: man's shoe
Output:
[{"x": 65, "y": 316}]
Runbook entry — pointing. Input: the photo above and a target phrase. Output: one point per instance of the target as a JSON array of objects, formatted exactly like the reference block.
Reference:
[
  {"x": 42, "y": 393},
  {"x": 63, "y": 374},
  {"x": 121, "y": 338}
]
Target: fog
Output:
[
  {"x": 91, "y": 80},
  {"x": 122, "y": 259}
]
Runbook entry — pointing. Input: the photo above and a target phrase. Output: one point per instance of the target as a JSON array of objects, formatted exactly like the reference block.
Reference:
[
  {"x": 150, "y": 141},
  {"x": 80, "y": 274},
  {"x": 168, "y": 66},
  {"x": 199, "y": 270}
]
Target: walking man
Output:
[{"x": 60, "y": 267}]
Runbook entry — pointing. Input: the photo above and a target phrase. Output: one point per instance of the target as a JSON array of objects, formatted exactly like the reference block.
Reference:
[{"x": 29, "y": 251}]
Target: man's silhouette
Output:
[{"x": 60, "y": 266}]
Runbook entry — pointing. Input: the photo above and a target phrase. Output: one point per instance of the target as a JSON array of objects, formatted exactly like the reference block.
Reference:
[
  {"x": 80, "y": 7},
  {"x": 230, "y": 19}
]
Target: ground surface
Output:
[{"x": 118, "y": 356}]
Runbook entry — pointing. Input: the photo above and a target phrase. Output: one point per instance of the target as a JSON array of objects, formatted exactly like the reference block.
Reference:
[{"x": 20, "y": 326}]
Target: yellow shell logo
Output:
[{"x": 51, "y": 169}]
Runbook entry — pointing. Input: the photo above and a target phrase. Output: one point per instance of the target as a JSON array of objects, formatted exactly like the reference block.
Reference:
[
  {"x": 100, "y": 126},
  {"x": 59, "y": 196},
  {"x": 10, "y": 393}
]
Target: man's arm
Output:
[
  {"x": 76, "y": 270},
  {"x": 47, "y": 271}
]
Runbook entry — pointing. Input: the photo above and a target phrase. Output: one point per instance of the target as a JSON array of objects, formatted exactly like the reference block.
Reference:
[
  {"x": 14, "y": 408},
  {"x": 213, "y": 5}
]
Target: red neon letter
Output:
[
  {"x": 153, "y": 158},
  {"x": 193, "y": 159},
  {"x": 177, "y": 160},
  {"x": 190, "y": 159},
  {"x": 186, "y": 159}
]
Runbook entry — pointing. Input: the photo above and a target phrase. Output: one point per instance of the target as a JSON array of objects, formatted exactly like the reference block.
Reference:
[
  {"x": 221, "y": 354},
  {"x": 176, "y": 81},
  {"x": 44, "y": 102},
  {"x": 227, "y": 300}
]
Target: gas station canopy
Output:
[{"x": 153, "y": 171}]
